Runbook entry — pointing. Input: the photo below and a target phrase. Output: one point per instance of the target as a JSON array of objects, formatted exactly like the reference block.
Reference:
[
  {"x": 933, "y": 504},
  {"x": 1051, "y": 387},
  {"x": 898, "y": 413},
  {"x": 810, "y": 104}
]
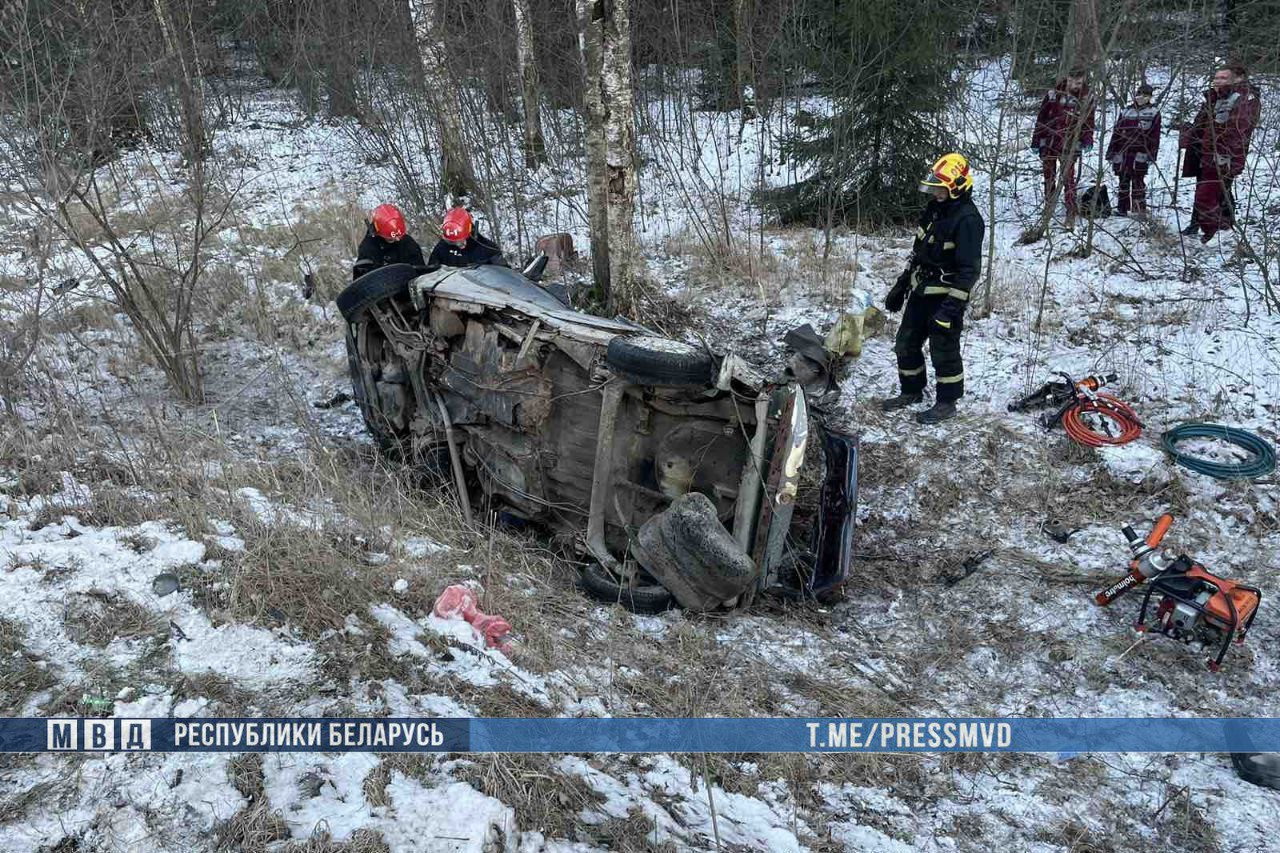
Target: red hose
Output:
[{"x": 1105, "y": 406}]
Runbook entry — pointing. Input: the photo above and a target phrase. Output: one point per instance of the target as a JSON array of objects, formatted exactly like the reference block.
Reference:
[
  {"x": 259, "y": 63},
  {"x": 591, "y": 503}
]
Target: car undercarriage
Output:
[{"x": 672, "y": 470}]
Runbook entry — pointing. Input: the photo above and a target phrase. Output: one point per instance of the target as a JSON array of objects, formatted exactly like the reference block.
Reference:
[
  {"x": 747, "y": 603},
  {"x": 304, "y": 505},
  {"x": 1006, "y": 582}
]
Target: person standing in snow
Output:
[
  {"x": 1135, "y": 141},
  {"x": 461, "y": 245},
  {"x": 386, "y": 241},
  {"x": 1216, "y": 144},
  {"x": 945, "y": 261},
  {"x": 1064, "y": 128}
]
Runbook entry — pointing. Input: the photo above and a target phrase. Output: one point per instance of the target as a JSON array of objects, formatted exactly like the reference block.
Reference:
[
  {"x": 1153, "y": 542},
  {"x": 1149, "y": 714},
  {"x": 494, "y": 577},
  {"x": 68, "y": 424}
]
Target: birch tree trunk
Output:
[
  {"x": 743, "y": 22},
  {"x": 618, "y": 95},
  {"x": 457, "y": 175},
  {"x": 591, "y": 47},
  {"x": 535, "y": 148}
]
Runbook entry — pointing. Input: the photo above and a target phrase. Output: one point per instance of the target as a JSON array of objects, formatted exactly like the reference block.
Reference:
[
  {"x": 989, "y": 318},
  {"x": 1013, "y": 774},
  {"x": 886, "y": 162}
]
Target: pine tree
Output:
[{"x": 890, "y": 68}]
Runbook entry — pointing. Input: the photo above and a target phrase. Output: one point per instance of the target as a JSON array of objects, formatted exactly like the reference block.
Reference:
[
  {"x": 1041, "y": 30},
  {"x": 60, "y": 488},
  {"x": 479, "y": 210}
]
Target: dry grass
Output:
[
  {"x": 256, "y": 826},
  {"x": 361, "y": 841},
  {"x": 15, "y": 807},
  {"x": 309, "y": 579},
  {"x": 22, "y": 675},
  {"x": 635, "y": 833},
  {"x": 802, "y": 266},
  {"x": 225, "y": 697},
  {"x": 320, "y": 237},
  {"x": 97, "y": 618},
  {"x": 544, "y": 799}
]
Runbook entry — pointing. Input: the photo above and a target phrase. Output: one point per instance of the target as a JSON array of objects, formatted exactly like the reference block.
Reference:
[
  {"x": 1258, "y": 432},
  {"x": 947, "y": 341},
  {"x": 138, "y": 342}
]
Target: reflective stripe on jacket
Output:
[
  {"x": 946, "y": 257},
  {"x": 1063, "y": 116},
  {"x": 1135, "y": 140}
]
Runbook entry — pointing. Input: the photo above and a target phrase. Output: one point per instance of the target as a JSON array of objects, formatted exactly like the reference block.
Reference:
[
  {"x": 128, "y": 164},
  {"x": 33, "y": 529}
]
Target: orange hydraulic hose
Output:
[{"x": 1105, "y": 406}]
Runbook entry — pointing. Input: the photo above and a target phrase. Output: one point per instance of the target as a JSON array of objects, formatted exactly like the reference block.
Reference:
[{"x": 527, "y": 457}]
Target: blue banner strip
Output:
[{"x": 385, "y": 734}]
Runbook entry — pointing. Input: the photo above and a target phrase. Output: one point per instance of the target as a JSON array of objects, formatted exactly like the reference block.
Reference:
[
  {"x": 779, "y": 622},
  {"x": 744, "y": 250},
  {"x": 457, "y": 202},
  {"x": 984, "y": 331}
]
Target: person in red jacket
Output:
[
  {"x": 1064, "y": 128},
  {"x": 1216, "y": 144},
  {"x": 1135, "y": 141}
]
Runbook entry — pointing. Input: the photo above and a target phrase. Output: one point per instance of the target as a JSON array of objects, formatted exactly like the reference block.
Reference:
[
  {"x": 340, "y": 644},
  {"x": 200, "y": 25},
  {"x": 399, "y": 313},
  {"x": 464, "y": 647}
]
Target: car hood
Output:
[{"x": 501, "y": 287}]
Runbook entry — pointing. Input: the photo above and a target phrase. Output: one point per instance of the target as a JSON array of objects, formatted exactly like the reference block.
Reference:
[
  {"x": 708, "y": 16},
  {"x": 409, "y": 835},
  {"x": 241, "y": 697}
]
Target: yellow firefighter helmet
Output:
[{"x": 951, "y": 171}]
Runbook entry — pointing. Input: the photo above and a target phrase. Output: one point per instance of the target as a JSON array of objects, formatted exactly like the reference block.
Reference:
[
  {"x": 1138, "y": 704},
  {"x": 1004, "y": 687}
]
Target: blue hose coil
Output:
[{"x": 1262, "y": 463}]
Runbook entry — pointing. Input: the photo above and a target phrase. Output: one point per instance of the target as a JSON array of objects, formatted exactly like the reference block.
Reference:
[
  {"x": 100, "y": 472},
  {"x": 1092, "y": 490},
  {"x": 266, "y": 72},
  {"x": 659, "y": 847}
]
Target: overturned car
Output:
[{"x": 674, "y": 471}]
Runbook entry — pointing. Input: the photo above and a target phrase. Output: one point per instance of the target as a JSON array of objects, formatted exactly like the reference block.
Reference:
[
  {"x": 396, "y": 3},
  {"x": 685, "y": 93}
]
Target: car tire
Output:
[
  {"x": 649, "y": 360},
  {"x": 600, "y": 584},
  {"x": 360, "y": 391},
  {"x": 1258, "y": 768},
  {"x": 693, "y": 555},
  {"x": 374, "y": 286}
]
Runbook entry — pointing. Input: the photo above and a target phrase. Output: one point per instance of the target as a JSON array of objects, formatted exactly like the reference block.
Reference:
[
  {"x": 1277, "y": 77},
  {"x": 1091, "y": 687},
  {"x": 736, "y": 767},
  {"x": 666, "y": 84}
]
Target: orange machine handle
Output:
[{"x": 1163, "y": 523}]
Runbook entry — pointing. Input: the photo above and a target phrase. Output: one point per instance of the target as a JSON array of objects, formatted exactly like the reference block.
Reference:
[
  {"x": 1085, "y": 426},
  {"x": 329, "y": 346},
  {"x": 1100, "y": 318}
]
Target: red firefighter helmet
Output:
[
  {"x": 457, "y": 225},
  {"x": 388, "y": 222}
]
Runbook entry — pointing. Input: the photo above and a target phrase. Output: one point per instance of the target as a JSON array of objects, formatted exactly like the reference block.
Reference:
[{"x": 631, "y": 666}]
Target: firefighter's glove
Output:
[
  {"x": 897, "y": 296},
  {"x": 948, "y": 315}
]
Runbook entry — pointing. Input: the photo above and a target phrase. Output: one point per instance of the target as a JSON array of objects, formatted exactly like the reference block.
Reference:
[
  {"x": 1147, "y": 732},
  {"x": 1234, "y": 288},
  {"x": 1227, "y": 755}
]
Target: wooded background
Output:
[{"x": 872, "y": 89}]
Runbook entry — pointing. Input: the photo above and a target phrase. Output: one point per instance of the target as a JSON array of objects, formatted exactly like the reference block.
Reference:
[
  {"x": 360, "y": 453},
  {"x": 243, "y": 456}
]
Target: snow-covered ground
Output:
[{"x": 111, "y": 484}]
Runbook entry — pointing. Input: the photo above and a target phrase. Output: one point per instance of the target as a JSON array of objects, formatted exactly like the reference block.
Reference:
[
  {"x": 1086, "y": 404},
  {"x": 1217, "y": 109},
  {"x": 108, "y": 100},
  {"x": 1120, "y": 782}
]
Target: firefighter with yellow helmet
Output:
[{"x": 945, "y": 262}]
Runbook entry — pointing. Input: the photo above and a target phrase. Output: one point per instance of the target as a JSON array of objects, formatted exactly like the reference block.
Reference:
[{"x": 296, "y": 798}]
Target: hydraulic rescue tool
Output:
[
  {"x": 1191, "y": 604},
  {"x": 1090, "y": 417}
]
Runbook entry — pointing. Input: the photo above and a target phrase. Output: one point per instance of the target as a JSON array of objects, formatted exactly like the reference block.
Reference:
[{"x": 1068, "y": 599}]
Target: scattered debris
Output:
[
  {"x": 851, "y": 329},
  {"x": 812, "y": 363},
  {"x": 460, "y": 602},
  {"x": 97, "y": 704},
  {"x": 558, "y": 249},
  {"x": 1258, "y": 768},
  {"x": 164, "y": 584},
  {"x": 1058, "y": 531},
  {"x": 334, "y": 401},
  {"x": 968, "y": 567},
  {"x": 65, "y": 286}
]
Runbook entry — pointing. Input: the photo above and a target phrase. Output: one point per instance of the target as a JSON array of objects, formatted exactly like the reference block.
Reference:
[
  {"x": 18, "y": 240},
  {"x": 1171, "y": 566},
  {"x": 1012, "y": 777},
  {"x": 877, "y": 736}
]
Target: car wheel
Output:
[
  {"x": 1259, "y": 768},
  {"x": 646, "y": 597},
  {"x": 373, "y": 287},
  {"x": 649, "y": 360},
  {"x": 366, "y": 399},
  {"x": 690, "y": 552}
]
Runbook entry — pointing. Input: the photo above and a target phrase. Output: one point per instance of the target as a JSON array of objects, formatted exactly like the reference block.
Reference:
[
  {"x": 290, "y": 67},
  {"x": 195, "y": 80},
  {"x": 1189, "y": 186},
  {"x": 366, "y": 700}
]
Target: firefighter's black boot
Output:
[
  {"x": 1190, "y": 229},
  {"x": 900, "y": 402},
  {"x": 938, "y": 413}
]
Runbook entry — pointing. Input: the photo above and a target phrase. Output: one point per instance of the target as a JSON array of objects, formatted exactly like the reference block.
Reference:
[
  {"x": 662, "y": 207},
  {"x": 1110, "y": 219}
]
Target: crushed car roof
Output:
[{"x": 501, "y": 287}]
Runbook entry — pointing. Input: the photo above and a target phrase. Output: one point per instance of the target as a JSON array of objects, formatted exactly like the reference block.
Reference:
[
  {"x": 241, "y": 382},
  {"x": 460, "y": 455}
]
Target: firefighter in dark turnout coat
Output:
[
  {"x": 1135, "y": 141},
  {"x": 386, "y": 241},
  {"x": 1216, "y": 144},
  {"x": 461, "y": 245},
  {"x": 945, "y": 261}
]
